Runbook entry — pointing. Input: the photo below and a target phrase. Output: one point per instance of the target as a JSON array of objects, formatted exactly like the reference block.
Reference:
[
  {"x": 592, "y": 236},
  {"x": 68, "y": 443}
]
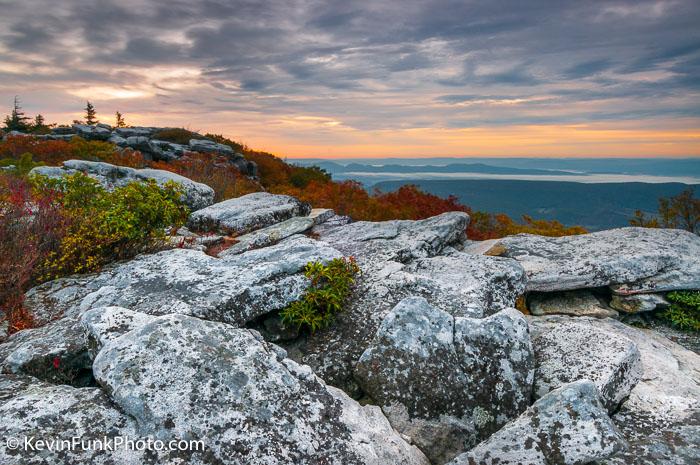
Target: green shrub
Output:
[
  {"x": 684, "y": 312},
  {"x": 177, "y": 135},
  {"x": 330, "y": 288},
  {"x": 108, "y": 226},
  {"x": 22, "y": 166}
]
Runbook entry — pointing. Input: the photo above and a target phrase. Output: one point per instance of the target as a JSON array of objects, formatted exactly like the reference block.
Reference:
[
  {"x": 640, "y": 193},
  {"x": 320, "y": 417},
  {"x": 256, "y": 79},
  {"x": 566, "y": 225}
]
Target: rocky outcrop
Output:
[
  {"x": 235, "y": 289},
  {"x": 637, "y": 303},
  {"x": 448, "y": 382},
  {"x": 567, "y": 426},
  {"x": 269, "y": 235},
  {"x": 92, "y": 132},
  {"x": 184, "y": 377},
  {"x": 195, "y": 195},
  {"x": 247, "y": 213},
  {"x": 660, "y": 419},
  {"x": 578, "y": 349},
  {"x": 575, "y": 303},
  {"x": 636, "y": 260},
  {"x": 401, "y": 259}
]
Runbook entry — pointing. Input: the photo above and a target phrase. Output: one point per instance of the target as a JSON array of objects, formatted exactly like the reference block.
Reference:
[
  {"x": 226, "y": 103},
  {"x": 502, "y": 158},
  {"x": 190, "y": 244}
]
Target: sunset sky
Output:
[{"x": 340, "y": 78}]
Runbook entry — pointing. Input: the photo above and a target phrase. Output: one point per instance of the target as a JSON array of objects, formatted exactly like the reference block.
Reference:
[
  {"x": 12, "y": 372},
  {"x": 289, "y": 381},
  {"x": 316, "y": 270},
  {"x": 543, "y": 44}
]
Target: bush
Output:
[
  {"x": 684, "y": 312},
  {"x": 21, "y": 166},
  {"x": 31, "y": 226},
  {"x": 177, "y": 135},
  {"x": 108, "y": 226},
  {"x": 330, "y": 288}
]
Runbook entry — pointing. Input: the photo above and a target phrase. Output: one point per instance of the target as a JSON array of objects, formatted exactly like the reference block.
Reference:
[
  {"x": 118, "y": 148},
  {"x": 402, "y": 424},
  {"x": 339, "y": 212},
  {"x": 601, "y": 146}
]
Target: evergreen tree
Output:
[
  {"x": 17, "y": 120},
  {"x": 120, "y": 121},
  {"x": 40, "y": 126},
  {"x": 90, "y": 114}
]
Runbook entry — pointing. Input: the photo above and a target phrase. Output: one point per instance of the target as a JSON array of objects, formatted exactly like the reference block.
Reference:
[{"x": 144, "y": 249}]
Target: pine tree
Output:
[
  {"x": 40, "y": 126},
  {"x": 90, "y": 114},
  {"x": 120, "y": 121},
  {"x": 17, "y": 121}
]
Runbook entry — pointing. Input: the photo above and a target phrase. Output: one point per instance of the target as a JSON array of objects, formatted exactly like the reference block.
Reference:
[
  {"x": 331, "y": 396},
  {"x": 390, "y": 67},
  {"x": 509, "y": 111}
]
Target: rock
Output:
[
  {"x": 270, "y": 235},
  {"x": 637, "y": 303},
  {"x": 135, "y": 132},
  {"x": 118, "y": 140},
  {"x": 448, "y": 382},
  {"x": 321, "y": 215},
  {"x": 661, "y": 417},
  {"x": 56, "y": 353},
  {"x": 567, "y": 426},
  {"x": 460, "y": 284},
  {"x": 246, "y": 167},
  {"x": 184, "y": 377},
  {"x": 578, "y": 349},
  {"x": 15, "y": 134},
  {"x": 140, "y": 143},
  {"x": 104, "y": 324},
  {"x": 209, "y": 146},
  {"x": 104, "y": 126},
  {"x": 164, "y": 150},
  {"x": 40, "y": 411},
  {"x": 92, "y": 132},
  {"x": 576, "y": 303},
  {"x": 196, "y": 195},
  {"x": 638, "y": 260},
  {"x": 62, "y": 130},
  {"x": 235, "y": 289},
  {"x": 247, "y": 213}
]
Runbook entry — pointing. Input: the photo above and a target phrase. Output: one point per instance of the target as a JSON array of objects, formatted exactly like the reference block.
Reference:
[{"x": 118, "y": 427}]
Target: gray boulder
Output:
[
  {"x": 270, "y": 235},
  {"x": 62, "y": 130},
  {"x": 196, "y": 195},
  {"x": 92, "y": 132},
  {"x": 184, "y": 377},
  {"x": 104, "y": 324},
  {"x": 321, "y": 215},
  {"x": 448, "y": 382},
  {"x": 575, "y": 303},
  {"x": 40, "y": 411},
  {"x": 140, "y": 143},
  {"x": 118, "y": 140},
  {"x": 637, "y": 260},
  {"x": 661, "y": 417},
  {"x": 137, "y": 131},
  {"x": 164, "y": 150},
  {"x": 579, "y": 349},
  {"x": 209, "y": 146},
  {"x": 568, "y": 426},
  {"x": 247, "y": 213},
  {"x": 236, "y": 289}
]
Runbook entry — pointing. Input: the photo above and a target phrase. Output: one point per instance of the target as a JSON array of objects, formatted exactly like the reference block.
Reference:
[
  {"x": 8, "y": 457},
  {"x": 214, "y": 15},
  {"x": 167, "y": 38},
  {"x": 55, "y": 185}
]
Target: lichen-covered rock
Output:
[
  {"x": 576, "y": 303},
  {"x": 209, "y": 146},
  {"x": 637, "y": 303},
  {"x": 578, "y": 349},
  {"x": 104, "y": 324},
  {"x": 136, "y": 131},
  {"x": 196, "y": 195},
  {"x": 639, "y": 260},
  {"x": 40, "y": 411},
  {"x": 164, "y": 150},
  {"x": 235, "y": 289},
  {"x": 448, "y": 382},
  {"x": 184, "y": 377},
  {"x": 247, "y": 213},
  {"x": 92, "y": 132},
  {"x": 270, "y": 235},
  {"x": 321, "y": 215},
  {"x": 458, "y": 283},
  {"x": 568, "y": 426},
  {"x": 56, "y": 352},
  {"x": 661, "y": 417}
]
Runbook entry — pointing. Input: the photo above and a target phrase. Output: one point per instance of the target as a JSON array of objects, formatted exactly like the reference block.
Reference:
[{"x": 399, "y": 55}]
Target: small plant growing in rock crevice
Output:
[
  {"x": 330, "y": 288},
  {"x": 684, "y": 312}
]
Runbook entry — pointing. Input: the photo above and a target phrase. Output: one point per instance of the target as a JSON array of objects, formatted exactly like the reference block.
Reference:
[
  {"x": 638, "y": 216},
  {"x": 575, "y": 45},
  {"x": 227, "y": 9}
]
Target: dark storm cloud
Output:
[{"x": 314, "y": 54}]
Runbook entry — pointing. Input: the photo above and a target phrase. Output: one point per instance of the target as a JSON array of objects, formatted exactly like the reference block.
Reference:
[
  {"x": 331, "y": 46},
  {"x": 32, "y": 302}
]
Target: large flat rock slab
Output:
[
  {"x": 196, "y": 195},
  {"x": 247, "y": 213},
  {"x": 185, "y": 377},
  {"x": 637, "y": 259}
]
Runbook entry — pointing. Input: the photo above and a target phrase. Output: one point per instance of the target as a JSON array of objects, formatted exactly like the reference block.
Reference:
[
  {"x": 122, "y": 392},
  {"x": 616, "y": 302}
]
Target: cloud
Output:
[{"x": 388, "y": 65}]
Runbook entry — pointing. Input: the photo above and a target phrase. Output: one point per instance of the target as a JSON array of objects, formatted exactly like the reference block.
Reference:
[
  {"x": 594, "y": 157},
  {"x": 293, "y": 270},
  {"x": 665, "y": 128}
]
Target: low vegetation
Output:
[
  {"x": 55, "y": 228},
  {"x": 684, "y": 312},
  {"x": 328, "y": 292},
  {"x": 679, "y": 212}
]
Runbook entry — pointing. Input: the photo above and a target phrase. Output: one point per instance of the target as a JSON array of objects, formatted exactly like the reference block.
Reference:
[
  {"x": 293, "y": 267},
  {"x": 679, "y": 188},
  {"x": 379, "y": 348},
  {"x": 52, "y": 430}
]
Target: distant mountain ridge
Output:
[{"x": 482, "y": 168}]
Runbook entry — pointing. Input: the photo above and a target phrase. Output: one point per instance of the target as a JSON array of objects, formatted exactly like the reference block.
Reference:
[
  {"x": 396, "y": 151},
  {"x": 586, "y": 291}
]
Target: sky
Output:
[{"x": 343, "y": 78}]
